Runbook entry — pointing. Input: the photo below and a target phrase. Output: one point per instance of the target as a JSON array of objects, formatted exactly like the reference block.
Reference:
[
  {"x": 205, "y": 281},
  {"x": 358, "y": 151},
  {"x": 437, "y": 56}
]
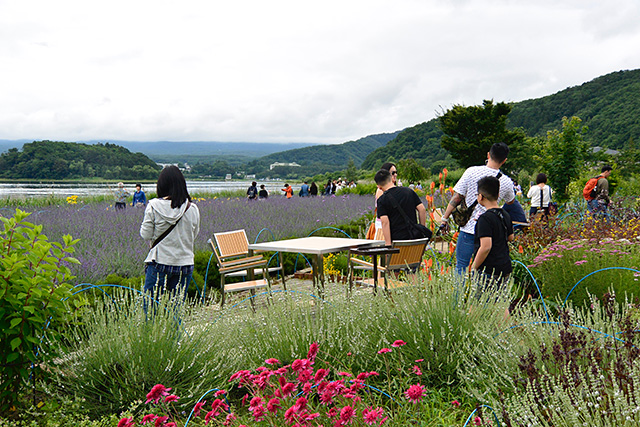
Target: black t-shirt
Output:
[
  {"x": 407, "y": 200},
  {"x": 495, "y": 223},
  {"x": 263, "y": 194}
]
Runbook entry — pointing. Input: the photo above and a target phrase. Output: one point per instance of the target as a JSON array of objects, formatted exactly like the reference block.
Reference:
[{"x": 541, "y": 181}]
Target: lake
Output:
[{"x": 29, "y": 190}]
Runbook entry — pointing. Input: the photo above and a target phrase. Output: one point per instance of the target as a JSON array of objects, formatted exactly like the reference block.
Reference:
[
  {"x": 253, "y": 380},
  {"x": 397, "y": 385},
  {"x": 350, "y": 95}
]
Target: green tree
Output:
[
  {"x": 352, "y": 172},
  {"x": 563, "y": 155},
  {"x": 469, "y": 132},
  {"x": 411, "y": 172}
]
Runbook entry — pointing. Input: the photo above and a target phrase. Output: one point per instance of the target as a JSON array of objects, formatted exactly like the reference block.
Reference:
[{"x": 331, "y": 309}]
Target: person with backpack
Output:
[
  {"x": 596, "y": 192},
  {"x": 540, "y": 195},
  {"x": 252, "y": 191}
]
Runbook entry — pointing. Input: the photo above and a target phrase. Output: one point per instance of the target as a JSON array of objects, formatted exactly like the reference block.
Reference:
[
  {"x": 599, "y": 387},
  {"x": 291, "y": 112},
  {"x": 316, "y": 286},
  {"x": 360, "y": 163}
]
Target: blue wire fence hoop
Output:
[
  {"x": 200, "y": 400},
  {"x": 594, "y": 272},
  {"x": 483, "y": 406},
  {"x": 544, "y": 305},
  {"x": 277, "y": 291},
  {"x": 560, "y": 323}
]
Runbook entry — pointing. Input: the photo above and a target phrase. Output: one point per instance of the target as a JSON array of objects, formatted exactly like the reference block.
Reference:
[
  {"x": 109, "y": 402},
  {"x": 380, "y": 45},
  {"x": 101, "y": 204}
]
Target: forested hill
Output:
[
  {"x": 608, "y": 105},
  {"x": 322, "y": 158},
  {"x": 60, "y": 160}
]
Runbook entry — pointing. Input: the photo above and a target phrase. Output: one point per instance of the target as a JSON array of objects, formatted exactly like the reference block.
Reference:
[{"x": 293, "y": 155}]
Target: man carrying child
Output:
[{"x": 492, "y": 232}]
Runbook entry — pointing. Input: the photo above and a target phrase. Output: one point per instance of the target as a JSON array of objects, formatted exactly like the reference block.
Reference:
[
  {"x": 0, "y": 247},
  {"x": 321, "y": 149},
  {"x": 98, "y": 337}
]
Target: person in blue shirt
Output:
[
  {"x": 304, "y": 190},
  {"x": 139, "y": 199}
]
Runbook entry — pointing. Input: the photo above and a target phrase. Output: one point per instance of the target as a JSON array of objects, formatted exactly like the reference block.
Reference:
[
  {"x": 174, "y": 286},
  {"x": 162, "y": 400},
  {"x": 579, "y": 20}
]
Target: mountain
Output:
[
  {"x": 322, "y": 158},
  {"x": 609, "y": 105}
]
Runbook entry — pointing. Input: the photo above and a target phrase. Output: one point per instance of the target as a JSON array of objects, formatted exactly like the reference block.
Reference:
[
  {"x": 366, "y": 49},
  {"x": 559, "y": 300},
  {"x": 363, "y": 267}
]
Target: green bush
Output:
[{"x": 33, "y": 300}]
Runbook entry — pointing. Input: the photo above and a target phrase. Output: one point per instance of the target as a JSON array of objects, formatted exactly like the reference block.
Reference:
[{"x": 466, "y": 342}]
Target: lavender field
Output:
[{"x": 110, "y": 243}]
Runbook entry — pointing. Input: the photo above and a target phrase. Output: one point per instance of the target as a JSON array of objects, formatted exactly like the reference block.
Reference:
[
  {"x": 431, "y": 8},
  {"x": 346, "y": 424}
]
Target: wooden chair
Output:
[
  {"x": 232, "y": 256},
  {"x": 408, "y": 259},
  {"x": 233, "y": 244}
]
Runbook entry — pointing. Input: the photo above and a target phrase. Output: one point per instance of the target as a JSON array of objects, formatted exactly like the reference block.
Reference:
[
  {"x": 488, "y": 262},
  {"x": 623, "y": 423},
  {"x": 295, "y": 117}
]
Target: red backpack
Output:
[{"x": 589, "y": 192}]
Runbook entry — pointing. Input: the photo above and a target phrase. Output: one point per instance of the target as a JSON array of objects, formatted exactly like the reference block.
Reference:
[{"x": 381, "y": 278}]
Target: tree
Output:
[
  {"x": 411, "y": 172},
  {"x": 563, "y": 155},
  {"x": 469, "y": 132},
  {"x": 351, "y": 173}
]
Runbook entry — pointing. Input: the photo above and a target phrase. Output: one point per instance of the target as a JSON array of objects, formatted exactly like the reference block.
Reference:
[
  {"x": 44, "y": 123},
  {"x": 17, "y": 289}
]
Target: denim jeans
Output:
[
  {"x": 160, "y": 278},
  {"x": 464, "y": 251}
]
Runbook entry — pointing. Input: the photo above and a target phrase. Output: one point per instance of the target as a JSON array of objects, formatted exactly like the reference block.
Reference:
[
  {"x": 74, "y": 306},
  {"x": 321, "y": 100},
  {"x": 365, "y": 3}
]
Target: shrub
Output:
[{"x": 33, "y": 290}]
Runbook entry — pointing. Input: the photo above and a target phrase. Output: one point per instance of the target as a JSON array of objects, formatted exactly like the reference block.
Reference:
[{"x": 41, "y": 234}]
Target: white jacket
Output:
[{"x": 177, "y": 247}]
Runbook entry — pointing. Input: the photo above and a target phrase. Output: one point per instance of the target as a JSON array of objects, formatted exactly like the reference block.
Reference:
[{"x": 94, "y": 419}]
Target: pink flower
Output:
[
  {"x": 156, "y": 393},
  {"x": 414, "y": 393},
  {"x": 172, "y": 424},
  {"x": 477, "y": 421},
  {"x": 419, "y": 360},
  {"x": 258, "y": 413},
  {"x": 371, "y": 415},
  {"x": 416, "y": 370},
  {"x": 384, "y": 350},
  {"x": 149, "y": 418},
  {"x": 273, "y": 405},
  {"x": 346, "y": 415},
  {"x": 198, "y": 407},
  {"x": 580, "y": 262},
  {"x": 313, "y": 351},
  {"x": 256, "y": 401},
  {"x": 455, "y": 403},
  {"x": 219, "y": 393},
  {"x": 398, "y": 343},
  {"x": 171, "y": 398},
  {"x": 160, "y": 421},
  {"x": 230, "y": 417},
  {"x": 125, "y": 422},
  {"x": 345, "y": 374},
  {"x": 272, "y": 361},
  {"x": 320, "y": 375}
]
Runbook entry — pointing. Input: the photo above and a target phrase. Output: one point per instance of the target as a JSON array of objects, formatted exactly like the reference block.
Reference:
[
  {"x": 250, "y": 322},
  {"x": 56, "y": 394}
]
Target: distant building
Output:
[
  {"x": 250, "y": 176},
  {"x": 606, "y": 151},
  {"x": 227, "y": 176},
  {"x": 276, "y": 164}
]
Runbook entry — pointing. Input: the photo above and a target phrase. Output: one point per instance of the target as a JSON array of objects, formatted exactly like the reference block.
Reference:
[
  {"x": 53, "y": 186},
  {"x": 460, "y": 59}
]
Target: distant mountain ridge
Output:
[{"x": 608, "y": 105}]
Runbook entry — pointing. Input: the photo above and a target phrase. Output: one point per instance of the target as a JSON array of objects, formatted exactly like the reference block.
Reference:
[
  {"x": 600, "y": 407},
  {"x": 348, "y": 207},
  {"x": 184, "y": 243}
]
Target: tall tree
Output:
[
  {"x": 563, "y": 155},
  {"x": 469, "y": 132},
  {"x": 411, "y": 171}
]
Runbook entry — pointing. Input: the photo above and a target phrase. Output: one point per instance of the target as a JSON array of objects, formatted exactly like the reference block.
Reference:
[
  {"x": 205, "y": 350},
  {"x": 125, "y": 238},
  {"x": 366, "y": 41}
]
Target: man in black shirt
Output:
[{"x": 394, "y": 224}]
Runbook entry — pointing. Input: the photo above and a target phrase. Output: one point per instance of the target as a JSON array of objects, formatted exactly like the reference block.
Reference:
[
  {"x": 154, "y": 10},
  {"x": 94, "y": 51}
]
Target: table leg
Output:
[
  {"x": 375, "y": 273},
  {"x": 320, "y": 265},
  {"x": 250, "y": 273}
]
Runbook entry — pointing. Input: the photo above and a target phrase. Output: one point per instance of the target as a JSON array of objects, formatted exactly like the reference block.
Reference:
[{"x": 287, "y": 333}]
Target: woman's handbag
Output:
[{"x": 371, "y": 232}]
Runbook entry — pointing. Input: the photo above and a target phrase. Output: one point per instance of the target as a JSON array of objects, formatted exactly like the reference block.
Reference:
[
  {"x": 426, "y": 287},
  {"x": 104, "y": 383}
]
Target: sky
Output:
[{"x": 289, "y": 70}]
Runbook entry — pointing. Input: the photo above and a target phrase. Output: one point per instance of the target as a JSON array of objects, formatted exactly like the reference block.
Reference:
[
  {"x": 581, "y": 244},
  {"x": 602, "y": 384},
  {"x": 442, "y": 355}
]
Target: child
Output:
[{"x": 492, "y": 232}]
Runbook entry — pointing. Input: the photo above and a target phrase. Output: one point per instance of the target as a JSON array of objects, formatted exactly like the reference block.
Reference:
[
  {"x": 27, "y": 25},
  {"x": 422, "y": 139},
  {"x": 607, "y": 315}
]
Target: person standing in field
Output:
[
  {"x": 467, "y": 189},
  {"x": 288, "y": 191},
  {"x": 252, "y": 191},
  {"x": 170, "y": 226},
  {"x": 540, "y": 195},
  {"x": 139, "y": 198},
  {"x": 121, "y": 195},
  {"x": 304, "y": 190},
  {"x": 313, "y": 189},
  {"x": 263, "y": 193}
]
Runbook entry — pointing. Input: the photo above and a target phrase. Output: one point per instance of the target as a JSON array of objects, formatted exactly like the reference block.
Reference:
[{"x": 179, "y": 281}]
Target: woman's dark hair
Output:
[
  {"x": 171, "y": 184},
  {"x": 387, "y": 166},
  {"x": 541, "y": 178}
]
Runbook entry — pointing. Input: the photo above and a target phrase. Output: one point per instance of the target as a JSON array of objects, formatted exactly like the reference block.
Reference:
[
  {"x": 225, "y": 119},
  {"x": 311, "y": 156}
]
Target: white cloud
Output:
[{"x": 288, "y": 70}]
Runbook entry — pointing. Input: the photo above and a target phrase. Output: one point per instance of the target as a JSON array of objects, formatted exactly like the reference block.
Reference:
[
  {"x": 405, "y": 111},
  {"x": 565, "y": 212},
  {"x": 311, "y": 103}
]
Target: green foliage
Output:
[
  {"x": 563, "y": 155},
  {"x": 61, "y": 160},
  {"x": 33, "y": 290},
  {"x": 120, "y": 352},
  {"x": 469, "y": 132},
  {"x": 412, "y": 172},
  {"x": 352, "y": 172}
]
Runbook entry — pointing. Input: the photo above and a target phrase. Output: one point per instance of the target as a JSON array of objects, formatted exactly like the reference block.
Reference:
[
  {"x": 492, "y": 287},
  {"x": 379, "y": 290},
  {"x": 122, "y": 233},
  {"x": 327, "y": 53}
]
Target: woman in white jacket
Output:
[{"x": 169, "y": 264}]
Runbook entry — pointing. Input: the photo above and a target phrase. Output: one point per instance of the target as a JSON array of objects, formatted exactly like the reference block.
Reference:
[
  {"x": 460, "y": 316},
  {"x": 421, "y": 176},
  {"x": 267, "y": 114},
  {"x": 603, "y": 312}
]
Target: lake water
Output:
[{"x": 28, "y": 190}]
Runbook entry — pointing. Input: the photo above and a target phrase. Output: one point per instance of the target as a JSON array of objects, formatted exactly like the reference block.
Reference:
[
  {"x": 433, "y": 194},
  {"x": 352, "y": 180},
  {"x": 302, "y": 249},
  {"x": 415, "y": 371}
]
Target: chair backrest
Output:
[
  {"x": 232, "y": 244},
  {"x": 410, "y": 255},
  {"x": 215, "y": 253}
]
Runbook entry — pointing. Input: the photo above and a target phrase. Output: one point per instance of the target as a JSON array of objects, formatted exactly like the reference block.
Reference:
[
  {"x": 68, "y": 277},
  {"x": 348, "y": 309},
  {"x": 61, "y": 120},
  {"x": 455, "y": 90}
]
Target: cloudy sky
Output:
[{"x": 289, "y": 70}]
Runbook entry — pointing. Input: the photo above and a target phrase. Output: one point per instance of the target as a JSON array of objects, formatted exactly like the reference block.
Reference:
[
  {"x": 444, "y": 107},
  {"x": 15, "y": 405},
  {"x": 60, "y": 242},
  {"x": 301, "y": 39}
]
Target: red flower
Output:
[
  {"x": 172, "y": 424},
  {"x": 125, "y": 422},
  {"x": 371, "y": 415},
  {"x": 230, "y": 417},
  {"x": 272, "y": 361},
  {"x": 384, "y": 350},
  {"x": 171, "y": 398},
  {"x": 256, "y": 401},
  {"x": 419, "y": 360},
  {"x": 477, "y": 421},
  {"x": 416, "y": 370},
  {"x": 320, "y": 375},
  {"x": 313, "y": 351},
  {"x": 346, "y": 415},
  {"x": 414, "y": 393},
  {"x": 273, "y": 405},
  {"x": 149, "y": 418},
  {"x": 198, "y": 407},
  {"x": 398, "y": 343},
  {"x": 345, "y": 374},
  {"x": 455, "y": 403},
  {"x": 160, "y": 421},
  {"x": 219, "y": 393},
  {"x": 156, "y": 393}
]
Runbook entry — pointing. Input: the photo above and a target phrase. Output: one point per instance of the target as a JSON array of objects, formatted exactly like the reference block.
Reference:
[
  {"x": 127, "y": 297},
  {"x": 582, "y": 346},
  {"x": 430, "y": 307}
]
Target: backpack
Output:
[{"x": 589, "y": 192}]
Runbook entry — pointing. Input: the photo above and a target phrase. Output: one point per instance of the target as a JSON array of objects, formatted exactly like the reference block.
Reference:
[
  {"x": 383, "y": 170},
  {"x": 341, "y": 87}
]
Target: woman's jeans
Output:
[
  {"x": 160, "y": 278},
  {"x": 464, "y": 252}
]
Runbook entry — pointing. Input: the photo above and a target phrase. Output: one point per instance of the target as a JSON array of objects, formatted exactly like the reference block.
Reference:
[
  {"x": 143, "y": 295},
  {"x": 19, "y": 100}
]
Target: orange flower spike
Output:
[
  {"x": 441, "y": 188},
  {"x": 430, "y": 263},
  {"x": 432, "y": 186},
  {"x": 442, "y": 269},
  {"x": 445, "y": 171},
  {"x": 452, "y": 248},
  {"x": 520, "y": 249},
  {"x": 440, "y": 177}
]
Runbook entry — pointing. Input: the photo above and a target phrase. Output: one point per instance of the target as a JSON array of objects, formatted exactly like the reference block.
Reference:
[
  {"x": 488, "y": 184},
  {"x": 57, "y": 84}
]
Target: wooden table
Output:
[{"x": 317, "y": 246}]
